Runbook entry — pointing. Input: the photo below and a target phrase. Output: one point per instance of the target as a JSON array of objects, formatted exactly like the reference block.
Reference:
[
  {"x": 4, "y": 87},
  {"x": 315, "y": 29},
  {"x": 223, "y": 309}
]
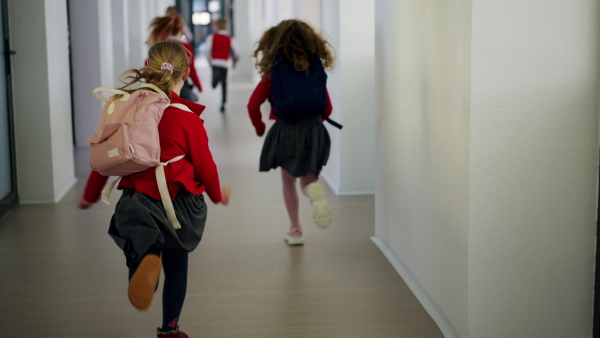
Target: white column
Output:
[
  {"x": 309, "y": 10},
  {"x": 138, "y": 33},
  {"x": 45, "y": 168},
  {"x": 92, "y": 61},
  {"x": 120, "y": 38},
  {"x": 350, "y": 28},
  {"x": 248, "y": 28}
]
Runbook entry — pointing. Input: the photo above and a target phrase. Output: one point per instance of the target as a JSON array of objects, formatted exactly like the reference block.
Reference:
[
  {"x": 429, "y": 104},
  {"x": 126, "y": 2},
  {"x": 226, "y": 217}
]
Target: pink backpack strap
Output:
[
  {"x": 181, "y": 106},
  {"x": 164, "y": 191}
]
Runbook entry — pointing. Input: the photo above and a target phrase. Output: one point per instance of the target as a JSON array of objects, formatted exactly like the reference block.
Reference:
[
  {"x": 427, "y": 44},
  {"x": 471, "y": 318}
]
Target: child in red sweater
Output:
[
  {"x": 299, "y": 145},
  {"x": 171, "y": 28},
  {"x": 220, "y": 47},
  {"x": 140, "y": 226}
]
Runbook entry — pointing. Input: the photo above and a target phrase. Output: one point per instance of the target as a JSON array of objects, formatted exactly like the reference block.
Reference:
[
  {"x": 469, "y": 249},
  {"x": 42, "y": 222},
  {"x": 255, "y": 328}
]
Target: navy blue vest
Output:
[{"x": 298, "y": 94}]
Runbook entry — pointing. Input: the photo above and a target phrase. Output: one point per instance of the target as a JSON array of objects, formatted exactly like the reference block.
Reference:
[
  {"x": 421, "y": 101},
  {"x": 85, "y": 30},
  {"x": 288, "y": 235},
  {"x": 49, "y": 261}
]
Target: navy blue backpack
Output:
[{"x": 299, "y": 94}]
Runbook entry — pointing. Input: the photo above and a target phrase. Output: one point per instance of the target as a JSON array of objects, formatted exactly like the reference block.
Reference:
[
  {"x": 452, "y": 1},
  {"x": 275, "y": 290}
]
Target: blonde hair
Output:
[
  {"x": 164, "y": 26},
  {"x": 294, "y": 41},
  {"x": 173, "y": 53},
  {"x": 221, "y": 23},
  {"x": 171, "y": 10}
]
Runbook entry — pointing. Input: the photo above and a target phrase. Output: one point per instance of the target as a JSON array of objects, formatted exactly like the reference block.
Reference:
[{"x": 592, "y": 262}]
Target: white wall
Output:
[
  {"x": 45, "y": 168},
  {"x": 248, "y": 27},
  {"x": 487, "y": 152},
  {"x": 310, "y": 11},
  {"x": 349, "y": 25},
  {"x": 534, "y": 155},
  {"x": 87, "y": 66},
  {"x": 422, "y": 147},
  {"x": 59, "y": 98},
  {"x": 120, "y": 38}
]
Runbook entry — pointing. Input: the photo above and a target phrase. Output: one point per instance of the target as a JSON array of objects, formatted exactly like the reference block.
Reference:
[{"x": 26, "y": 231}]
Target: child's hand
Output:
[
  {"x": 225, "y": 194},
  {"x": 260, "y": 129},
  {"x": 83, "y": 204}
]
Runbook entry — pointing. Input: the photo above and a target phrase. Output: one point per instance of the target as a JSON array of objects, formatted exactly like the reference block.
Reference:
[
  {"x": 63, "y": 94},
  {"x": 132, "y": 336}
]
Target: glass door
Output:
[{"x": 8, "y": 191}]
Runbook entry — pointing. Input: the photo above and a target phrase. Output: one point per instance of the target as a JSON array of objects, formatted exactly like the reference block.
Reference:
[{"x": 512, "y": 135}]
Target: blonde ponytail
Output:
[{"x": 156, "y": 72}]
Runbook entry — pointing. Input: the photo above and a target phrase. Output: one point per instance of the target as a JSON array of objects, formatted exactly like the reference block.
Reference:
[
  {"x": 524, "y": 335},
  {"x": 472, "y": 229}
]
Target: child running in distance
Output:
[
  {"x": 171, "y": 28},
  {"x": 140, "y": 226},
  {"x": 291, "y": 58},
  {"x": 220, "y": 47}
]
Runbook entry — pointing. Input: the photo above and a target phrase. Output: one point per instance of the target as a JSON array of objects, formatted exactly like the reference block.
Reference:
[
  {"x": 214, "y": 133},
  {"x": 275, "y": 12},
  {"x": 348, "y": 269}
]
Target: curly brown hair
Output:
[
  {"x": 294, "y": 41},
  {"x": 161, "y": 52},
  {"x": 164, "y": 26}
]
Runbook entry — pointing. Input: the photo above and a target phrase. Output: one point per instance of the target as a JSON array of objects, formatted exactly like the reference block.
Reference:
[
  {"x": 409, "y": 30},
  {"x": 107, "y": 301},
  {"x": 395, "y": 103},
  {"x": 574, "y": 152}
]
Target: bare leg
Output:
[
  {"x": 290, "y": 197},
  {"x": 306, "y": 180}
]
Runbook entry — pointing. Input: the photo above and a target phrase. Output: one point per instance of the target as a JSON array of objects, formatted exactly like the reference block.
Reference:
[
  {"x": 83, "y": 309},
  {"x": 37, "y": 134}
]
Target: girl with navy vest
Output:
[
  {"x": 292, "y": 58},
  {"x": 140, "y": 226}
]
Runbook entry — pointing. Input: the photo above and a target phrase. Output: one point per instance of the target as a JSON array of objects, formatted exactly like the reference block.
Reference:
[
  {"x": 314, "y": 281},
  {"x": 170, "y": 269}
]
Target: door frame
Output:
[
  {"x": 12, "y": 199},
  {"x": 596, "y": 318}
]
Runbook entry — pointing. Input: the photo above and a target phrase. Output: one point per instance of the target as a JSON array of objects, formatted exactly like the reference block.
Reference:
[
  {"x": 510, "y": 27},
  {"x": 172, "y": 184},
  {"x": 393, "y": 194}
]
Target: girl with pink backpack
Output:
[{"x": 140, "y": 225}]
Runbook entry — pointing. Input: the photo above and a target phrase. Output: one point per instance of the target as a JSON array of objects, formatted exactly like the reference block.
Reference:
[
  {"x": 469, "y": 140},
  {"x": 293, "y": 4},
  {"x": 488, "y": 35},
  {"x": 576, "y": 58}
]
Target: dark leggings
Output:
[
  {"x": 219, "y": 75},
  {"x": 175, "y": 267}
]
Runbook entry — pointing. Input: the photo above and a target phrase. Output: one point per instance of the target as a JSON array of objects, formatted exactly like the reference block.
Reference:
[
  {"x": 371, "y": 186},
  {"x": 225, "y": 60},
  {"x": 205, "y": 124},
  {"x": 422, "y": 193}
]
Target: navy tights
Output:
[{"x": 175, "y": 267}]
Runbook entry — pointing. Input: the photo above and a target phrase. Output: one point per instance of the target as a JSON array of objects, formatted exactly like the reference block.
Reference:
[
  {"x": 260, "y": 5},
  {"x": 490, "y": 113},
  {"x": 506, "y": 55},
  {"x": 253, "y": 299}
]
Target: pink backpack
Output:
[{"x": 127, "y": 139}]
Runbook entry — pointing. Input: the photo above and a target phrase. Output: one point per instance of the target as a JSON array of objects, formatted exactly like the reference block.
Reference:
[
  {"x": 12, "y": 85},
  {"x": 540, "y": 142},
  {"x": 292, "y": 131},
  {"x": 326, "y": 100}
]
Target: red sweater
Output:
[
  {"x": 221, "y": 46},
  {"x": 261, "y": 93},
  {"x": 193, "y": 73},
  {"x": 180, "y": 132}
]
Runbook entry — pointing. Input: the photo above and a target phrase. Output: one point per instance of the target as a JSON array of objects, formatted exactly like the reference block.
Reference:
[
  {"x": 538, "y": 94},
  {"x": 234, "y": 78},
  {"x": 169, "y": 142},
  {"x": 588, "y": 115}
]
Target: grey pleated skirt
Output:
[
  {"x": 298, "y": 147},
  {"x": 140, "y": 222}
]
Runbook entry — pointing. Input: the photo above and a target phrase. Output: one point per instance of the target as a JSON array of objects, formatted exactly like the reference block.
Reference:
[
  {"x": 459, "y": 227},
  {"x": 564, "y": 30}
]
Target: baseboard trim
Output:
[
  {"x": 50, "y": 199},
  {"x": 65, "y": 189},
  {"x": 415, "y": 286},
  {"x": 345, "y": 192}
]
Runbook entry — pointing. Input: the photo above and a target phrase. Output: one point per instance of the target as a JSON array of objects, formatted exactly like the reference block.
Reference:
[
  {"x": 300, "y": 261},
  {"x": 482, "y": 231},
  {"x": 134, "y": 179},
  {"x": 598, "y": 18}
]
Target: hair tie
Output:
[{"x": 167, "y": 66}]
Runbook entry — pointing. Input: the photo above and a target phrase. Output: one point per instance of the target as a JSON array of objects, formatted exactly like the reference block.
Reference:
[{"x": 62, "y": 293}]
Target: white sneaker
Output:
[
  {"x": 294, "y": 238},
  {"x": 321, "y": 209}
]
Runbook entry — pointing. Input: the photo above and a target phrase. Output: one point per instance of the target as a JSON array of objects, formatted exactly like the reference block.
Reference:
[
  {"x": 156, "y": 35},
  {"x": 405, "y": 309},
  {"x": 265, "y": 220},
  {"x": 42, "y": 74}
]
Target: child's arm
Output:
[
  {"x": 329, "y": 106},
  {"x": 193, "y": 73},
  {"x": 202, "y": 160},
  {"x": 93, "y": 190},
  {"x": 208, "y": 47},
  {"x": 234, "y": 51},
  {"x": 259, "y": 96}
]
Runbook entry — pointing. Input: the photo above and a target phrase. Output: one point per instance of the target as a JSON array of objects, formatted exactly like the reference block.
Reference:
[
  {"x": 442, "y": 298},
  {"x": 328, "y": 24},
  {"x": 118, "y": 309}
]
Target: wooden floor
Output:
[{"x": 62, "y": 276}]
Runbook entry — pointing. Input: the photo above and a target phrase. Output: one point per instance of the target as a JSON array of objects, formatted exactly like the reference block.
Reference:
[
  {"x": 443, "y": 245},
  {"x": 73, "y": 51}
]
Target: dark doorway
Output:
[
  {"x": 596, "y": 332},
  {"x": 8, "y": 178}
]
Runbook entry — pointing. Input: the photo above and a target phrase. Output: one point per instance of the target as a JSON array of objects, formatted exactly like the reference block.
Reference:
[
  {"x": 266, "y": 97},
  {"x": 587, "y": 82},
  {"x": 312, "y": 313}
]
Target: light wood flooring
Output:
[{"x": 62, "y": 276}]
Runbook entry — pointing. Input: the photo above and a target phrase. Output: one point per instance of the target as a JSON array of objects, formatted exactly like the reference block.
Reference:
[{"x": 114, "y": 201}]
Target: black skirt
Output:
[
  {"x": 298, "y": 147},
  {"x": 140, "y": 222}
]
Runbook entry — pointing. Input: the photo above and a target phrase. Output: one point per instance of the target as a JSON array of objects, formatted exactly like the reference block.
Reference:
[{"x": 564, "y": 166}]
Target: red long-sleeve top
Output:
[
  {"x": 193, "y": 73},
  {"x": 261, "y": 93},
  {"x": 180, "y": 132}
]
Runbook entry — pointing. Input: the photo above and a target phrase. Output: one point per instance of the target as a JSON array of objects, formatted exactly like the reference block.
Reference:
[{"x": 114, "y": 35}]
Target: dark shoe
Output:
[
  {"x": 171, "y": 334},
  {"x": 144, "y": 281},
  {"x": 222, "y": 109}
]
